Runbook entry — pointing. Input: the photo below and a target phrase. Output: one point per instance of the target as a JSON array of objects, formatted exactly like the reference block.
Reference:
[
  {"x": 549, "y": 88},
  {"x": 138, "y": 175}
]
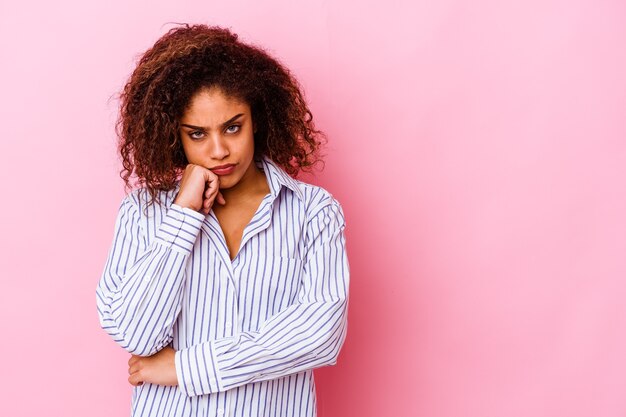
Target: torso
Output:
[{"x": 234, "y": 218}]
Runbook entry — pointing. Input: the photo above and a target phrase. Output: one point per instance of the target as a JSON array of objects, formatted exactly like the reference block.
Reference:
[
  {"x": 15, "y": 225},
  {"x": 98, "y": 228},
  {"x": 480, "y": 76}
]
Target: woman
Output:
[{"x": 227, "y": 279}]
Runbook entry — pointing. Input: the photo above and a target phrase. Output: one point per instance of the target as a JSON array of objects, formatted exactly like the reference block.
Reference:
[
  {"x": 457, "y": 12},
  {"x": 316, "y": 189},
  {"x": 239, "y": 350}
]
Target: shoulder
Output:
[
  {"x": 138, "y": 202},
  {"x": 319, "y": 202}
]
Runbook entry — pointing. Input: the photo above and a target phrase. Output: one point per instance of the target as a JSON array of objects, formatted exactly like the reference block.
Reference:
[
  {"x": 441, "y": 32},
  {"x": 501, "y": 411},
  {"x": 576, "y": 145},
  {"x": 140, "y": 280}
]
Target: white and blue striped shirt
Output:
[{"x": 247, "y": 332}]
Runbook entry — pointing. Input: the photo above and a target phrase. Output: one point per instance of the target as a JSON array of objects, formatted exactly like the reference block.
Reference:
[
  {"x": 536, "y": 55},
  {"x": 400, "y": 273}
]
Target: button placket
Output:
[
  {"x": 230, "y": 404},
  {"x": 234, "y": 320}
]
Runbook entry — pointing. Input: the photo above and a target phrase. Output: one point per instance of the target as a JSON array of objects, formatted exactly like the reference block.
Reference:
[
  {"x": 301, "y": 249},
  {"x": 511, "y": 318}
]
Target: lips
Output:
[
  {"x": 222, "y": 166},
  {"x": 223, "y": 169}
]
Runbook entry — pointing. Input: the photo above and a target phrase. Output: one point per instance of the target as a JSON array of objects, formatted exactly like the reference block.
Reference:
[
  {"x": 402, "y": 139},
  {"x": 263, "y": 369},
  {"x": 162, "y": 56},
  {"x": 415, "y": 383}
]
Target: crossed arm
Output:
[{"x": 307, "y": 334}]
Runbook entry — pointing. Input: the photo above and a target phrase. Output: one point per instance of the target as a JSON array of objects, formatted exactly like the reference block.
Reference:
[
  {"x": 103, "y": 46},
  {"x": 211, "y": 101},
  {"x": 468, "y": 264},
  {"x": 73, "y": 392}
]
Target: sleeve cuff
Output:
[
  {"x": 180, "y": 228},
  {"x": 196, "y": 370}
]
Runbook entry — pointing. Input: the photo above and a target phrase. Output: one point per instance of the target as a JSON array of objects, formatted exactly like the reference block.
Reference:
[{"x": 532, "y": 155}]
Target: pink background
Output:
[{"x": 478, "y": 149}]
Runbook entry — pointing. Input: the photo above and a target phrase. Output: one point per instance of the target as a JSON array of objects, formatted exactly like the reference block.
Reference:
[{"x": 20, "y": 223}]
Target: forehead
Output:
[{"x": 213, "y": 106}]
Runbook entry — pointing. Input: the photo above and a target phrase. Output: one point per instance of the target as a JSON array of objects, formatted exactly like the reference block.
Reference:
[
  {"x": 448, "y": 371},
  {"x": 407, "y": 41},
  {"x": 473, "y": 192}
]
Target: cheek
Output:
[
  {"x": 245, "y": 145},
  {"x": 250, "y": 142},
  {"x": 188, "y": 154},
  {"x": 192, "y": 152}
]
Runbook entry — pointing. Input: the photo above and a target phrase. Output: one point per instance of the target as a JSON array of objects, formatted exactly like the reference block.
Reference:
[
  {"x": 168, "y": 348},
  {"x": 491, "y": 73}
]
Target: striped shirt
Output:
[{"x": 248, "y": 332}]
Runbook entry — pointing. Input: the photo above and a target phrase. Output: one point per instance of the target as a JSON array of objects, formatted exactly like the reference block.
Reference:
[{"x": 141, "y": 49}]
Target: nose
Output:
[{"x": 218, "y": 148}]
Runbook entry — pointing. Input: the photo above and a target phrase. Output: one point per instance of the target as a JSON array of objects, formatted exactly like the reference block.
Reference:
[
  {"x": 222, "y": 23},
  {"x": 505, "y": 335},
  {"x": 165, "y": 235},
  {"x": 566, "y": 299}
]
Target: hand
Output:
[
  {"x": 156, "y": 369},
  {"x": 199, "y": 187}
]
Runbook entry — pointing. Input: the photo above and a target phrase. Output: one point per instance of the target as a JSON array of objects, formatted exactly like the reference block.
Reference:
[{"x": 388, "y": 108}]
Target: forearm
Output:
[
  {"x": 301, "y": 337},
  {"x": 139, "y": 296}
]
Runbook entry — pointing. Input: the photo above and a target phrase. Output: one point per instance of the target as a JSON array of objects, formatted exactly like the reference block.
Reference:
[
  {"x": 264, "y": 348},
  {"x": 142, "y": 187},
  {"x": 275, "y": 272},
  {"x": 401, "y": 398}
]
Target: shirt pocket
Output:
[{"x": 282, "y": 283}]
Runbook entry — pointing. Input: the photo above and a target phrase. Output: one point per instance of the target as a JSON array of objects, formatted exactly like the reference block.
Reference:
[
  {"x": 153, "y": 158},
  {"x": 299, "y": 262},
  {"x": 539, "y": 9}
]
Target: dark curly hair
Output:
[{"x": 187, "y": 59}]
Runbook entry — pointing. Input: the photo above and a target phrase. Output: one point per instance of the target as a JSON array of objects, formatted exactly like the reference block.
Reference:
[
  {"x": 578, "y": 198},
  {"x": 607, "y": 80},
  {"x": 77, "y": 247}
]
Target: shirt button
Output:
[
  {"x": 229, "y": 325},
  {"x": 220, "y": 411}
]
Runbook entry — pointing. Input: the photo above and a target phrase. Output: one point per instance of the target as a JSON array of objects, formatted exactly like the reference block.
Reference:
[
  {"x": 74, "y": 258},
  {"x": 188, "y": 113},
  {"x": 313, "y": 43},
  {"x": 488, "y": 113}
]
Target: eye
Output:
[
  {"x": 229, "y": 129},
  {"x": 196, "y": 134}
]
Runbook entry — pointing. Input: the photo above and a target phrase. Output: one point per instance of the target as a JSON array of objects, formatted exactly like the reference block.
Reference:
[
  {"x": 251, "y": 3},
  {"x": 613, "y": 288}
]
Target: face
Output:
[{"x": 218, "y": 130}]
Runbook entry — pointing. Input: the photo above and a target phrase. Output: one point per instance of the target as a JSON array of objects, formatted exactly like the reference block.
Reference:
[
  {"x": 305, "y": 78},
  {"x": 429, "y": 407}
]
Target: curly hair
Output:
[{"x": 182, "y": 62}]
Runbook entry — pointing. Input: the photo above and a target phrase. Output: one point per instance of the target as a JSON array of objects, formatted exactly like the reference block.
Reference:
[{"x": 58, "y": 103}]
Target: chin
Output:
[{"x": 225, "y": 184}]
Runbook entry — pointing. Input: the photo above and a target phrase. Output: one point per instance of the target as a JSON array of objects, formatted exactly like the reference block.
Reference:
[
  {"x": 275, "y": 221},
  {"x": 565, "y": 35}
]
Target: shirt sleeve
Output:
[
  {"x": 139, "y": 294},
  {"x": 308, "y": 334}
]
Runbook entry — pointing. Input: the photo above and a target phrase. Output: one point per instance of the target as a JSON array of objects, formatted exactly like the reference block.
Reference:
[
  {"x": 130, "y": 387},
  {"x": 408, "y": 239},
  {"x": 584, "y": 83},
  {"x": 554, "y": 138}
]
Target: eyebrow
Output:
[{"x": 232, "y": 119}]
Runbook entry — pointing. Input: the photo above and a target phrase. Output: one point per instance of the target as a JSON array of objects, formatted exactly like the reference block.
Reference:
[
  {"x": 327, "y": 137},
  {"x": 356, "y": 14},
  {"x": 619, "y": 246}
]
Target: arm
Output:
[
  {"x": 306, "y": 335},
  {"x": 139, "y": 293}
]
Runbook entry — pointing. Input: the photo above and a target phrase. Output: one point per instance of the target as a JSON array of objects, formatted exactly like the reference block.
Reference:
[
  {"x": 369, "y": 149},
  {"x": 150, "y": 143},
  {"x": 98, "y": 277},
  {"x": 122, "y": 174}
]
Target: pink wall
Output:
[{"x": 478, "y": 148}]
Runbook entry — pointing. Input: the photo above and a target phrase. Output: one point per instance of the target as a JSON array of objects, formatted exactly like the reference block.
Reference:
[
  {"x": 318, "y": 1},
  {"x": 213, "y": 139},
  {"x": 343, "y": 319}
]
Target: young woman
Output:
[{"x": 227, "y": 279}]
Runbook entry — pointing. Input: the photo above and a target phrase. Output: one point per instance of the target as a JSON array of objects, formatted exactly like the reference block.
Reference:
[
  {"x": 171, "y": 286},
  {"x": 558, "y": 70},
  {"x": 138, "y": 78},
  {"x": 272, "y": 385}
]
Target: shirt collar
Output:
[{"x": 277, "y": 177}]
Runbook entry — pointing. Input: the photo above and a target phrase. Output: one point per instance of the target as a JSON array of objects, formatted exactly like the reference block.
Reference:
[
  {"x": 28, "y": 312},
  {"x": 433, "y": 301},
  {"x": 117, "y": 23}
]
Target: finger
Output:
[
  {"x": 220, "y": 198},
  {"x": 212, "y": 191},
  {"x": 133, "y": 369},
  {"x": 209, "y": 186},
  {"x": 206, "y": 204},
  {"x": 212, "y": 188},
  {"x": 211, "y": 199},
  {"x": 210, "y": 176},
  {"x": 135, "y": 379},
  {"x": 213, "y": 180}
]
